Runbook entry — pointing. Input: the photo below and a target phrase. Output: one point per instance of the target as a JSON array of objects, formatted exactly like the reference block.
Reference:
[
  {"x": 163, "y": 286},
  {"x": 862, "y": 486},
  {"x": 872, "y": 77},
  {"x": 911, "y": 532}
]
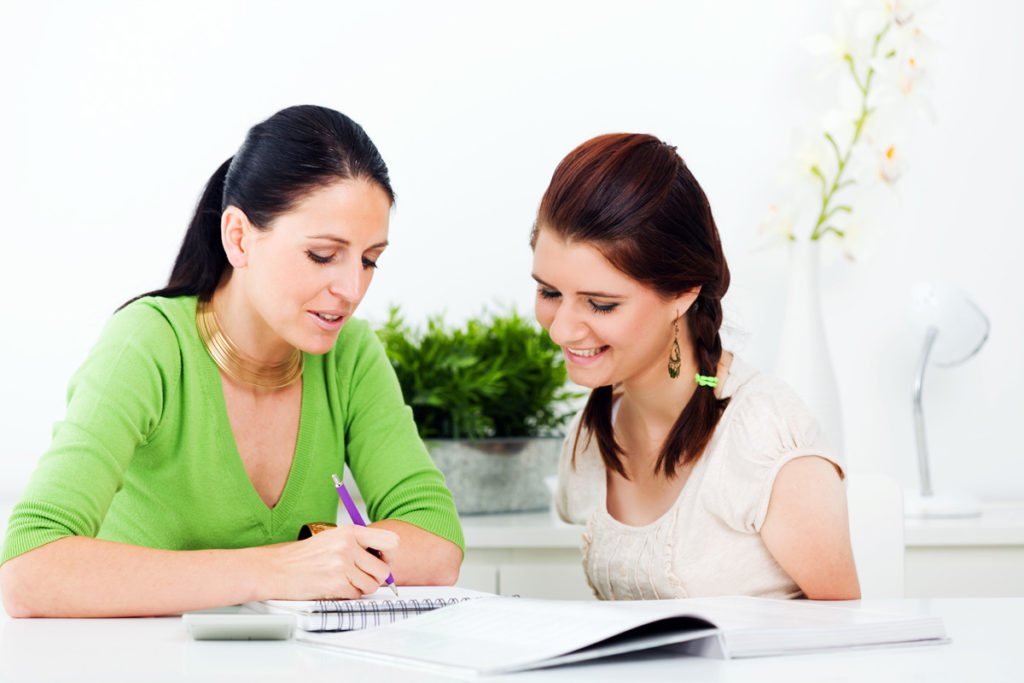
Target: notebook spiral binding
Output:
[{"x": 343, "y": 615}]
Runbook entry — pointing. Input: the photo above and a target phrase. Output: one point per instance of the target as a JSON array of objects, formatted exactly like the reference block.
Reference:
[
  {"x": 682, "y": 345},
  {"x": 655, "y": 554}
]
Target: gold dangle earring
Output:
[{"x": 675, "y": 359}]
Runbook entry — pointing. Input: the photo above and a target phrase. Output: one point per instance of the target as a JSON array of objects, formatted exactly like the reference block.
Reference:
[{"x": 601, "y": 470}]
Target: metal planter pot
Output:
[{"x": 497, "y": 475}]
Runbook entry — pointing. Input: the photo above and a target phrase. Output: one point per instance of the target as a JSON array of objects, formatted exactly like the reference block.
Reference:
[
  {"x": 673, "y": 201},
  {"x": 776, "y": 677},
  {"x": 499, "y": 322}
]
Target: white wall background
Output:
[{"x": 115, "y": 114}]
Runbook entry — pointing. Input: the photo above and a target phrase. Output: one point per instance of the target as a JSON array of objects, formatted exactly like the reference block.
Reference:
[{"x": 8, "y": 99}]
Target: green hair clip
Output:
[{"x": 706, "y": 380}]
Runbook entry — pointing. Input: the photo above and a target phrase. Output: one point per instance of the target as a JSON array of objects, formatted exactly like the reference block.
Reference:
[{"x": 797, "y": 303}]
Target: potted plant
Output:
[{"x": 489, "y": 399}]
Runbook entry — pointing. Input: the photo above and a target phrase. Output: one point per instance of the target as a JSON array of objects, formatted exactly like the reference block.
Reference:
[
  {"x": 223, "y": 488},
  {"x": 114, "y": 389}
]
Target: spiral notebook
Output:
[{"x": 377, "y": 609}]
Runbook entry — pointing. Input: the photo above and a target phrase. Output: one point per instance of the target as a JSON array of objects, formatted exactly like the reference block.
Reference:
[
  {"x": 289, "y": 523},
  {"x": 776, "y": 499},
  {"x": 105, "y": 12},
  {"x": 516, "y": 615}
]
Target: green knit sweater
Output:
[{"x": 146, "y": 454}]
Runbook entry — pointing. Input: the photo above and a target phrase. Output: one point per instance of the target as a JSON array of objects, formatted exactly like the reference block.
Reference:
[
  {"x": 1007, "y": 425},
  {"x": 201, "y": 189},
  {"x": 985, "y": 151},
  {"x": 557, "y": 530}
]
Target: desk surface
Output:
[{"x": 986, "y": 635}]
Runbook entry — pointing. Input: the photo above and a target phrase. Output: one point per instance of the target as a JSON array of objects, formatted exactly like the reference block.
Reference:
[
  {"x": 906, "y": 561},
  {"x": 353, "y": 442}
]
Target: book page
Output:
[
  {"x": 506, "y": 634},
  {"x": 498, "y": 634}
]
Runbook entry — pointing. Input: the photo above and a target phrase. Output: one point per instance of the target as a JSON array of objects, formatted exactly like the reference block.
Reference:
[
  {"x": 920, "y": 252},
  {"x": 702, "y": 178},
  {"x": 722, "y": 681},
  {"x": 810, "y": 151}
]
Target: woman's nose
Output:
[
  {"x": 566, "y": 326},
  {"x": 349, "y": 282}
]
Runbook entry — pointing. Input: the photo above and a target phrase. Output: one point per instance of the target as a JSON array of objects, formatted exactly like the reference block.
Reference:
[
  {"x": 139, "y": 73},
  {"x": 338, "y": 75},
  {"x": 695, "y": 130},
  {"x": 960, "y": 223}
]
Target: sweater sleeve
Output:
[
  {"x": 114, "y": 402},
  {"x": 391, "y": 466}
]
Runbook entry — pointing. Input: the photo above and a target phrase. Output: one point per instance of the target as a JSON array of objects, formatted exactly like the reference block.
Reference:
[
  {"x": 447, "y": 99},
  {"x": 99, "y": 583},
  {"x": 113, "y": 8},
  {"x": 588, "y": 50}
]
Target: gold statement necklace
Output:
[{"x": 239, "y": 366}]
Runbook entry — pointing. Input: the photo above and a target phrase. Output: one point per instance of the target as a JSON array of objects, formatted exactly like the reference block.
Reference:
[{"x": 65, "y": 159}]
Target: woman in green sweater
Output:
[{"x": 203, "y": 428}]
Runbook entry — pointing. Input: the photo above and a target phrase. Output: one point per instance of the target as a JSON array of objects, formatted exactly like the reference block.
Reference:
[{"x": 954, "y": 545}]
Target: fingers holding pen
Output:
[
  {"x": 335, "y": 563},
  {"x": 378, "y": 546},
  {"x": 363, "y": 553}
]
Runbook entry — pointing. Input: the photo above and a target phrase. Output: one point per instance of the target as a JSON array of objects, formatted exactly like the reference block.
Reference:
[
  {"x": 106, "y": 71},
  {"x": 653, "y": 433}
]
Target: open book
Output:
[
  {"x": 495, "y": 635},
  {"x": 377, "y": 609}
]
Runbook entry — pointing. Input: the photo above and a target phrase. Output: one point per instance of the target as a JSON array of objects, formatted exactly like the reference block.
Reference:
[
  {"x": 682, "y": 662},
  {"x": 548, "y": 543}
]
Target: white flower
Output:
[
  {"x": 889, "y": 163},
  {"x": 847, "y": 40},
  {"x": 776, "y": 226},
  {"x": 858, "y": 144},
  {"x": 797, "y": 188}
]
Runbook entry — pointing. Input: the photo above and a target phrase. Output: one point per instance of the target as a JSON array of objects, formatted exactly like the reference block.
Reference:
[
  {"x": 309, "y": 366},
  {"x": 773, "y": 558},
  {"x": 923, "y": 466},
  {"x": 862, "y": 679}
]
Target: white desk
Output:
[{"x": 986, "y": 637}]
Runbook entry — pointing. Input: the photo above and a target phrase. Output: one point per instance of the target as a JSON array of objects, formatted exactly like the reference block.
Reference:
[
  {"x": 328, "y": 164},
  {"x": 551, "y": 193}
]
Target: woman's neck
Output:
[
  {"x": 656, "y": 402},
  {"x": 653, "y": 400},
  {"x": 240, "y": 321}
]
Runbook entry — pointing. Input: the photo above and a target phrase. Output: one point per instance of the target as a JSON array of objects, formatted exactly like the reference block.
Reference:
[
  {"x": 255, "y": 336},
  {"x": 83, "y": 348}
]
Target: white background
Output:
[{"x": 115, "y": 114}]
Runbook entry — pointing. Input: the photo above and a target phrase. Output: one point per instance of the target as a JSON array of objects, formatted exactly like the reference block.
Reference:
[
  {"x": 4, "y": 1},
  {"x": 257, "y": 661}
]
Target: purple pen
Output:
[{"x": 353, "y": 513}]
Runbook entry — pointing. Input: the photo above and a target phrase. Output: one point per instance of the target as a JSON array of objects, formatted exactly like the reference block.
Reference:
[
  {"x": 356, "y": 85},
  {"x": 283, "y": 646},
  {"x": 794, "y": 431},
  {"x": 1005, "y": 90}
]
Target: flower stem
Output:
[{"x": 828, "y": 190}]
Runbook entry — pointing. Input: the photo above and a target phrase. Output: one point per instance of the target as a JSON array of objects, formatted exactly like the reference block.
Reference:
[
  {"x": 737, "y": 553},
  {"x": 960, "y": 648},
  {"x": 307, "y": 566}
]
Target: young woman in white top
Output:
[{"x": 695, "y": 474}]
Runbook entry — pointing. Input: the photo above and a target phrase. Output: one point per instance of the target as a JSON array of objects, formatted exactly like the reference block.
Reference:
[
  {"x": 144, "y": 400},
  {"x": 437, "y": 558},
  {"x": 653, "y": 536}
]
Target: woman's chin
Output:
[
  {"x": 318, "y": 346},
  {"x": 584, "y": 379}
]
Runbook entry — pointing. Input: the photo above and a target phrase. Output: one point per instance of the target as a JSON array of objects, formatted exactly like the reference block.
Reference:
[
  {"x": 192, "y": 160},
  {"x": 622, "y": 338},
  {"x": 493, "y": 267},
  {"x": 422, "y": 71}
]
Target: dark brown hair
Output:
[
  {"x": 633, "y": 198},
  {"x": 283, "y": 159}
]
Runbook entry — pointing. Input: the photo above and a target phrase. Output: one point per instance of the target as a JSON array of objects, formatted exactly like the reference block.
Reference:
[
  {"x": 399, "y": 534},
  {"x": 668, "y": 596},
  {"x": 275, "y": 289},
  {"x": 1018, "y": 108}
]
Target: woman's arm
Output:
[
  {"x": 422, "y": 558},
  {"x": 400, "y": 485},
  {"x": 807, "y": 530},
  {"x": 77, "y": 576}
]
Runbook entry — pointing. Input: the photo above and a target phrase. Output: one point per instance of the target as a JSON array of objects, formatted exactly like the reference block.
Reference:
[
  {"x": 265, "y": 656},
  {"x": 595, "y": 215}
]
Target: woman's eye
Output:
[
  {"x": 602, "y": 308},
  {"x": 367, "y": 263},
  {"x": 318, "y": 258},
  {"x": 544, "y": 293}
]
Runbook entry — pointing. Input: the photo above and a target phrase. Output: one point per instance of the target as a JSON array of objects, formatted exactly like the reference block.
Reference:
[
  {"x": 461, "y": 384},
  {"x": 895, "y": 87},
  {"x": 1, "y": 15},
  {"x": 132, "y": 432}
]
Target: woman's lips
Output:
[
  {"x": 328, "y": 320},
  {"x": 584, "y": 356}
]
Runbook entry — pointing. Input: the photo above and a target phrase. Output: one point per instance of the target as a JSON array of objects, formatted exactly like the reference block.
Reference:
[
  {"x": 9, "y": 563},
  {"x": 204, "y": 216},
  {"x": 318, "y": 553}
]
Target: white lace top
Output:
[{"x": 708, "y": 542}]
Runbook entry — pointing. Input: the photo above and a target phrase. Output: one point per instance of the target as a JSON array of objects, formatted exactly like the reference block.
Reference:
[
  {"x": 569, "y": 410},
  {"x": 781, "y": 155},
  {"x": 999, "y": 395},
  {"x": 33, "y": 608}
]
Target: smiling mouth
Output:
[
  {"x": 328, "y": 318},
  {"x": 586, "y": 353}
]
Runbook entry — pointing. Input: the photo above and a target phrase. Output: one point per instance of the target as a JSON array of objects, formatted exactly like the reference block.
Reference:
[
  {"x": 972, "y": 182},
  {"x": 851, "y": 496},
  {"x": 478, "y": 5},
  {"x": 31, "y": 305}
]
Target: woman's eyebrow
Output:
[
  {"x": 332, "y": 238},
  {"x": 344, "y": 242}
]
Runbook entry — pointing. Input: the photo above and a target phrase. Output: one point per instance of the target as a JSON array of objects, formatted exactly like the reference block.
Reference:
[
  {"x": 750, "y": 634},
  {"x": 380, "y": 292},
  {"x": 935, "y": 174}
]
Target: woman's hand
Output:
[{"x": 334, "y": 563}]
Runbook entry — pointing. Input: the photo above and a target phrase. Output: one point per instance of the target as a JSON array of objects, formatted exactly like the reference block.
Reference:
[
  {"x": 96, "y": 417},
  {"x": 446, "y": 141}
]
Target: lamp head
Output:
[{"x": 961, "y": 327}]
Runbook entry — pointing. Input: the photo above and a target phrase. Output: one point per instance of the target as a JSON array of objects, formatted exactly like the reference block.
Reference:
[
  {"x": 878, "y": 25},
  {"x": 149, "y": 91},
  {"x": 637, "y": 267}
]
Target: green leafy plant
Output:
[{"x": 497, "y": 376}]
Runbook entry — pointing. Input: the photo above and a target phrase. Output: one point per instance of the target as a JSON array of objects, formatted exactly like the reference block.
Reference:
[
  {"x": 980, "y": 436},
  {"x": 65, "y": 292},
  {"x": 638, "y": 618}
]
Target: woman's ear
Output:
[
  {"x": 684, "y": 301},
  {"x": 234, "y": 227}
]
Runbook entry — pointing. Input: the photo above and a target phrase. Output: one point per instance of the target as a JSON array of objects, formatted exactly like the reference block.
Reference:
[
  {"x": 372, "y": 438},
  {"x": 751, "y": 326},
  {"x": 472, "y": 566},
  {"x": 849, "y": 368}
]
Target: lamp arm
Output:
[{"x": 922, "y": 446}]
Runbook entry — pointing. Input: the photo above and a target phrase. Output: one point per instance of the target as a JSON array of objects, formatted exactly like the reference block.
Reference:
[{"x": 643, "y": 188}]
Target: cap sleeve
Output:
[{"x": 764, "y": 427}]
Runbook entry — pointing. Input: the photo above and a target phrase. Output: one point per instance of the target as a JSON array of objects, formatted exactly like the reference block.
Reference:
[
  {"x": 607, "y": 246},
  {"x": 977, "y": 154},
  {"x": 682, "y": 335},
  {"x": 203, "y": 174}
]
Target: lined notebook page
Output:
[{"x": 373, "y": 610}]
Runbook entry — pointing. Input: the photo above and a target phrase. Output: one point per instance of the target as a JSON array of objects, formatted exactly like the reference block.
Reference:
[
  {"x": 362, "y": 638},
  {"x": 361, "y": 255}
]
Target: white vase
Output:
[{"x": 804, "y": 361}]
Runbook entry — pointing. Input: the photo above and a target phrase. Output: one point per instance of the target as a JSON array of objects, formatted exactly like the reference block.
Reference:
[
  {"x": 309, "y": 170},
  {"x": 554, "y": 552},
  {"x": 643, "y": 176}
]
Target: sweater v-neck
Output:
[{"x": 236, "y": 482}]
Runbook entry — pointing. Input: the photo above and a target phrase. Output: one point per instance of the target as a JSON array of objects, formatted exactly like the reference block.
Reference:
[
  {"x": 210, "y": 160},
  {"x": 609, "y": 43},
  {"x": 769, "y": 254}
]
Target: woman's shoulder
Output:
[
  {"x": 765, "y": 419},
  {"x": 580, "y": 446},
  {"x": 157, "y": 314},
  {"x": 153, "y": 323},
  {"x": 762, "y": 399},
  {"x": 581, "y": 474},
  {"x": 140, "y": 343},
  {"x": 765, "y": 426}
]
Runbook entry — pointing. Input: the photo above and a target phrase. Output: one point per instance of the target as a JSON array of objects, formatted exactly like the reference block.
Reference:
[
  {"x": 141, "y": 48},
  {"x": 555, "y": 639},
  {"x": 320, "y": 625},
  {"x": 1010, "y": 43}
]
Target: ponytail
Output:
[{"x": 201, "y": 259}]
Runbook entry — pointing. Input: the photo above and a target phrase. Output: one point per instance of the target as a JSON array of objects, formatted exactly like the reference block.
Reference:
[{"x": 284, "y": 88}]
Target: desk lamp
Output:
[{"x": 954, "y": 330}]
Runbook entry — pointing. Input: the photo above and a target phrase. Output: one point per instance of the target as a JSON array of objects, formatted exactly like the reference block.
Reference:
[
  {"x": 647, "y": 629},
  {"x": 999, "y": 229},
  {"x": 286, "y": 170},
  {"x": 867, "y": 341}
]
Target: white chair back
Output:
[{"x": 875, "y": 503}]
